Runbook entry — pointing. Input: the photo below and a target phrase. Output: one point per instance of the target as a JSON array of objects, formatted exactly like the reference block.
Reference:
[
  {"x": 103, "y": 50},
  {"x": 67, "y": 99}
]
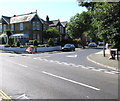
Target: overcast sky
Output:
[{"x": 55, "y": 9}]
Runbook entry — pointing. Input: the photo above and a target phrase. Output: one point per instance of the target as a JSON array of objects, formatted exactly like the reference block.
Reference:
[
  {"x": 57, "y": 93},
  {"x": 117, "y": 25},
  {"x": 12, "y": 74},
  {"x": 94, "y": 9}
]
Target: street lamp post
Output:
[{"x": 104, "y": 49}]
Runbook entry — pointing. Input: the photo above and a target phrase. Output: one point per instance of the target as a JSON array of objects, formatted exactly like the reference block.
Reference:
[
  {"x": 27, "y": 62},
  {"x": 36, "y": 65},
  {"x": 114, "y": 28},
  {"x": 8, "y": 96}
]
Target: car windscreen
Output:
[{"x": 67, "y": 45}]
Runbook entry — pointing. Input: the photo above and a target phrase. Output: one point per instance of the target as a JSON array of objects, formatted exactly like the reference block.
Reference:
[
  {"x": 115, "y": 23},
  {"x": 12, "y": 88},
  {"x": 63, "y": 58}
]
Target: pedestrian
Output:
[{"x": 106, "y": 45}]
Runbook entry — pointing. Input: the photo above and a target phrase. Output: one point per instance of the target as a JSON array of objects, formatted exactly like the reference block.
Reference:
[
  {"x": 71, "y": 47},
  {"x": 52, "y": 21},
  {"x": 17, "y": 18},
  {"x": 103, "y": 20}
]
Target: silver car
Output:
[{"x": 92, "y": 44}]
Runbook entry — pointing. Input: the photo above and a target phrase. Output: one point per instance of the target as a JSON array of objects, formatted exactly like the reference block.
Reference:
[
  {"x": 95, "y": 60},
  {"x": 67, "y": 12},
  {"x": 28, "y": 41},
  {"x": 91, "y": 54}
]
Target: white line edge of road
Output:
[
  {"x": 75, "y": 82},
  {"x": 100, "y": 63}
]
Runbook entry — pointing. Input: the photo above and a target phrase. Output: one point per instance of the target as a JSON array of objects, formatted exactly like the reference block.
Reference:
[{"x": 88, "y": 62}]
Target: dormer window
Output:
[{"x": 21, "y": 26}]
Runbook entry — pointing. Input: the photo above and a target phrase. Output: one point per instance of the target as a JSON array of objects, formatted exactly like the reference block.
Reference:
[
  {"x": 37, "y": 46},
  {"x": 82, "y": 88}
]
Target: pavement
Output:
[{"x": 99, "y": 59}]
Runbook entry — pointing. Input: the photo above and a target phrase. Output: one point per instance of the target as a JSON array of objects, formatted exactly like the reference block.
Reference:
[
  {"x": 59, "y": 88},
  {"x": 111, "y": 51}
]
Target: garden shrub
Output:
[{"x": 50, "y": 42}]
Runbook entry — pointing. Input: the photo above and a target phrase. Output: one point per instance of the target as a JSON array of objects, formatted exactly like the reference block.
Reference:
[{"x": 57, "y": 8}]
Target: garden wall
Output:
[{"x": 39, "y": 49}]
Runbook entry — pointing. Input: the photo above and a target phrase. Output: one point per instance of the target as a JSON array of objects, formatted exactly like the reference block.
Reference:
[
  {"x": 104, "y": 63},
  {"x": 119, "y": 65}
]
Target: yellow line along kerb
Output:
[{"x": 4, "y": 96}]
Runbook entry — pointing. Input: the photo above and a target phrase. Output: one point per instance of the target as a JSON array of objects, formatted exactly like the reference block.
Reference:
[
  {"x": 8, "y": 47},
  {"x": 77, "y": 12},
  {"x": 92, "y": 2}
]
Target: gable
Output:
[{"x": 5, "y": 20}]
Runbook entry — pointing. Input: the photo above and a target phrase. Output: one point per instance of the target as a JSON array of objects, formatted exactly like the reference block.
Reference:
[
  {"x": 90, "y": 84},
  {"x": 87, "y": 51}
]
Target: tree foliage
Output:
[
  {"x": 51, "y": 33},
  {"x": 101, "y": 21},
  {"x": 78, "y": 25}
]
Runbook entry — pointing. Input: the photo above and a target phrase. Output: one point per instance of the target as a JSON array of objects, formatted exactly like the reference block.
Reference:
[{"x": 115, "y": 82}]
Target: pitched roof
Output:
[
  {"x": 6, "y": 19},
  {"x": 54, "y": 22},
  {"x": 64, "y": 23},
  {"x": 22, "y": 18}
]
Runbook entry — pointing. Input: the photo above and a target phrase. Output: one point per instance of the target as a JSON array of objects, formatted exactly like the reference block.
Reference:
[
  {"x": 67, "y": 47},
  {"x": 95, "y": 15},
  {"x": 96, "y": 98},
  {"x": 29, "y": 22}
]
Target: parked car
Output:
[
  {"x": 101, "y": 43},
  {"x": 92, "y": 44},
  {"x": 68, "y": 47}
]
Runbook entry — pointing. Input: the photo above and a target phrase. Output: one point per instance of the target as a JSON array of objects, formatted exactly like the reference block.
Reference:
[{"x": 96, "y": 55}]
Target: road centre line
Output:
[{"x": 72, "y": 81}]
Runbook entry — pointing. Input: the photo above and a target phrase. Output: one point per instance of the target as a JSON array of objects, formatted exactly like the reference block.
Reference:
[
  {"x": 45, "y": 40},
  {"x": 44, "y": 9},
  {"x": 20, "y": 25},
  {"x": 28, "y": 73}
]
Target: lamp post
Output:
[{"x": 104, "y": 48}]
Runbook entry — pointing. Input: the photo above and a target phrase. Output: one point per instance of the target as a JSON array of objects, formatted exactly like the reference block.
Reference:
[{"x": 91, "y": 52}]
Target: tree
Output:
[
  {"x": 50, "y": 42},
  {"x": 18, "y": 43},
  {"x": 10, "y": 41},
  {"x": 105, "y": 20},
  {"x": 35, "y": 43},
  {"x": 78, "y": 25},
  {"x": 52, "y": 33},
  {"x": 8, "y": 32}
]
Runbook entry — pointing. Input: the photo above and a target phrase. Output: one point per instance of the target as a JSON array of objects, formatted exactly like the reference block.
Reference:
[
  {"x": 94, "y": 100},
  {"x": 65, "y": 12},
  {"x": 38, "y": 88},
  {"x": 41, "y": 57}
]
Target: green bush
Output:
[
  {"x": 3, "y": 41},
  {"x": 7, "y": 45},
  {"x": 18, "y": 43},
  {"x": 31, "y": 42},
  {"x": 50, "y": 42},
  {"x": 35, "y": 43},
  {"x": 10, "y": 41}
]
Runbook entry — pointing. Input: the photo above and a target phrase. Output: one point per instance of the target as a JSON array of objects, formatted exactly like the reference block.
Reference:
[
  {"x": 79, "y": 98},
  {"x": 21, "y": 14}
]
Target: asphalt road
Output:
[{"x": 59, "y": 75}]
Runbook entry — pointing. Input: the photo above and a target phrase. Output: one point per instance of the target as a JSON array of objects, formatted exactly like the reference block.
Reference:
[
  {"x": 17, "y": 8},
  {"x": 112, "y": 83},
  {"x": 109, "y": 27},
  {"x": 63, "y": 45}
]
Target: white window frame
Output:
[
  {"x": 21, "y": 26},
  {"x": 5, "y": 27},
  {"x": 12, "y": 27}
]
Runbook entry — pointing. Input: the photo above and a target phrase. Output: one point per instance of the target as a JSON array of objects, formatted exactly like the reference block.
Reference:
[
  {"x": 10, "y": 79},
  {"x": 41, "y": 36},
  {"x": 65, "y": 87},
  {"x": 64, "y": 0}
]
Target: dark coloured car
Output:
[{"x": 69, "y": 47}]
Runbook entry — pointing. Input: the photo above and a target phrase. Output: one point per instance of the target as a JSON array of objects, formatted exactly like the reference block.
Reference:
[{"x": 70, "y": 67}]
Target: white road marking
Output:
[
  {"x": 96, "y": 70},
  {"x": 22, "y": 65},
  {"x": 109, "y": 72},
  {"x": 84, "y": 67},
  {"x": 17, "y": 63},
  {"x": 72, "y": 56},
  {"x": 75, "y": 82},
  {"x": 34, "y": 58}
]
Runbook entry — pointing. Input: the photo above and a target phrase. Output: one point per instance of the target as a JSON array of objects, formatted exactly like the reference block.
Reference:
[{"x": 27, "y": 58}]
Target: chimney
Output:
[
  {"x": 36, "y": 11},
  {"x": 47, "y": 18}
]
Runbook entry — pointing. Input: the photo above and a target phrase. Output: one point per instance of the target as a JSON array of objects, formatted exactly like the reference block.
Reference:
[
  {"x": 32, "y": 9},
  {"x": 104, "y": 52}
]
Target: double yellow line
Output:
[{"x": 4, "y": 96}]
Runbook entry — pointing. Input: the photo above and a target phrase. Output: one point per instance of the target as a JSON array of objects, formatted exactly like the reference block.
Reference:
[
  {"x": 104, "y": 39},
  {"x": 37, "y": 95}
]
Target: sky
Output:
[{"x": 55, "y": 9}]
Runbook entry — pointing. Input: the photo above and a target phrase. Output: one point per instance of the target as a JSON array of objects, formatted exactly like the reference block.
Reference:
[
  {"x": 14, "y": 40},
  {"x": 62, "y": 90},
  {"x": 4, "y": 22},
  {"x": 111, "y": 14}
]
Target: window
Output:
[
  {"x": 44, "y": 27},
  {"x": 12, "y": 27},
  {"x": 34, "y": 36},
  {"x": 61, "y": 29},
  {"x": 21, "y": 26},
  {"x": 4, "y": 27},
  {"x": 38, "y": 26},
  {"x": 0, "y": 28},
  {"x": 33, "y": 25},
  {"x": 58, "y": 27}
]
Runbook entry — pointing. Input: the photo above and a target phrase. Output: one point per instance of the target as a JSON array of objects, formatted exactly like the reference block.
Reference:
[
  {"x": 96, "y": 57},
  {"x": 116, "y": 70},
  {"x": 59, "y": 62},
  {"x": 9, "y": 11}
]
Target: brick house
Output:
[
  {"x": 26, "y": 26},
  {"x": 61, "y": 26}
]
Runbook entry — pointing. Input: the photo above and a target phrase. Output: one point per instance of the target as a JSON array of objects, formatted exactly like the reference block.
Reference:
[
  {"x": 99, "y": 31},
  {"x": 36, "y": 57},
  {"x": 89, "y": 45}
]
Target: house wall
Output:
[
  {"x": 28, "y": 29},
  {"x": 36, "y": 33}
]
